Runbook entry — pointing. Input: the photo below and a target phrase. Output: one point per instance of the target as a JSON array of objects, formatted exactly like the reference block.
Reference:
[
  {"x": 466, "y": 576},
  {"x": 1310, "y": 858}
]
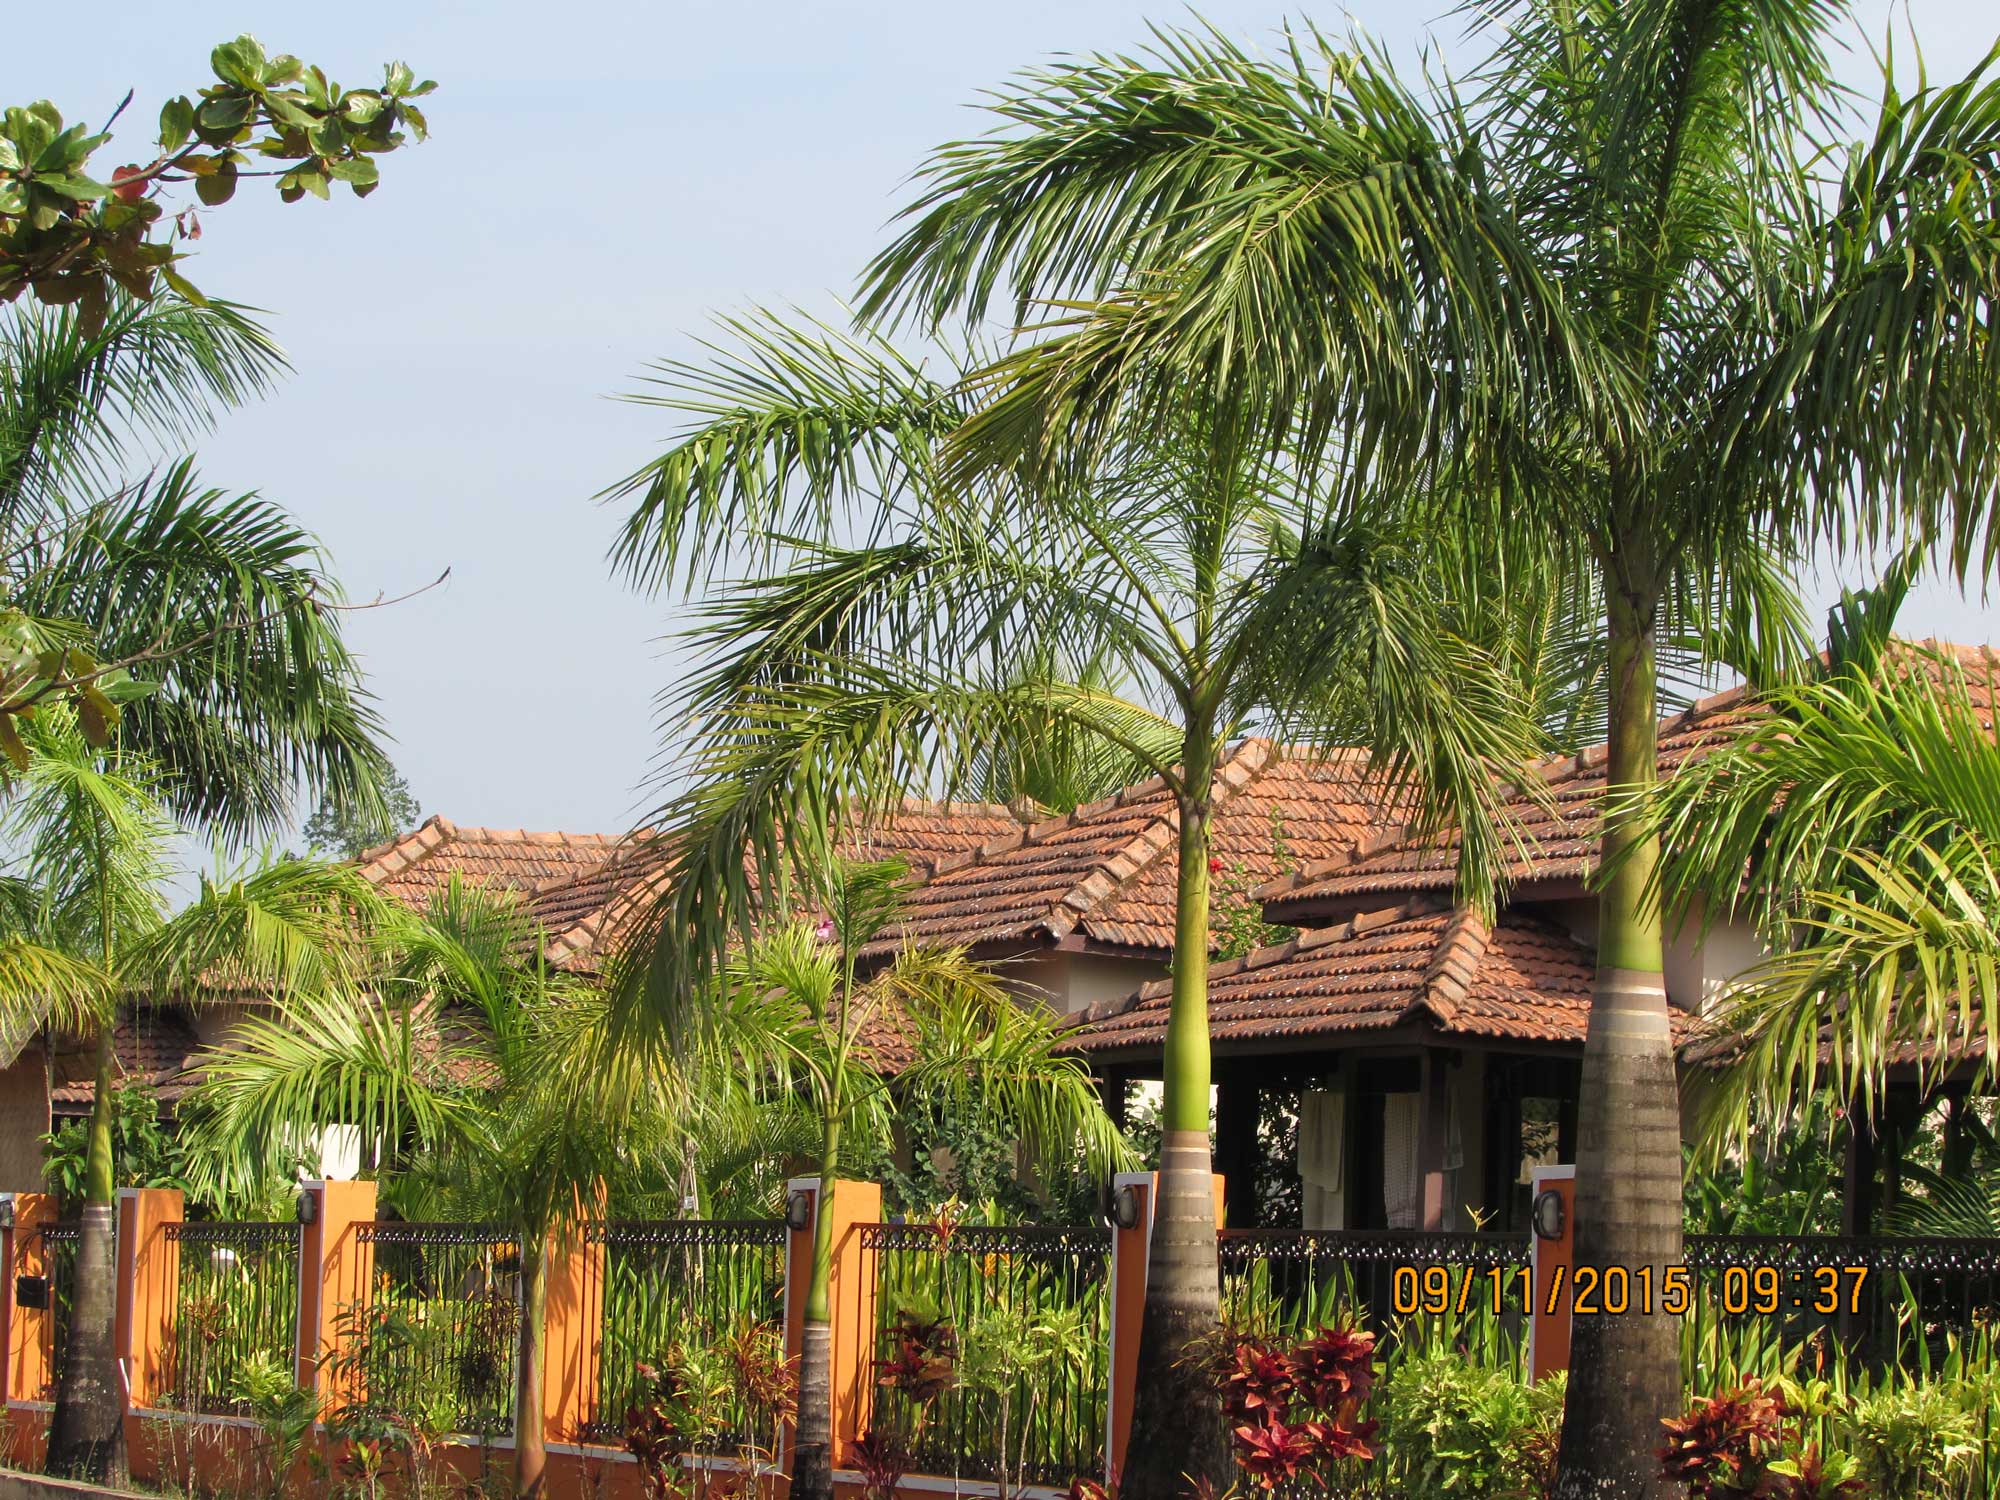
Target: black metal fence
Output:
[
  {"x": 703, "y": 1299},
  {"x": 1882, "y": 1299},
  {"x": 60, "y": 1243},
  {"x": 1285, "y": 1283},
  {"x": 993, "y": 1347},
  {"x": 434, "y": 1340},
  {"x": 235, "y": 1312}
]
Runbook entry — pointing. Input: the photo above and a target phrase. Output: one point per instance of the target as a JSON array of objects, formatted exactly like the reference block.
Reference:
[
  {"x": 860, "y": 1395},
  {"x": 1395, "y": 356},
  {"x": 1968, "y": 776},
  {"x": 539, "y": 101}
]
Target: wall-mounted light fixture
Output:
[
  {"x": 306, "y": 1210},
  {"x": 1548, "y": 1215},
  {"x": 1125, "y": 1207},
  {"x": 6, "y": 1210},
  {"x": 799, "y": 1211}
]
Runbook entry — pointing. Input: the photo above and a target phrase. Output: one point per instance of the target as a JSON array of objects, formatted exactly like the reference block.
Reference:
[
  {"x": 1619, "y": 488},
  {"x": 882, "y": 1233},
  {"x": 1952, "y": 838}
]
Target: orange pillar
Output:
[
  {"x": 336, "y": 1266},
  {"x": 572, "y": 1336},
  {"x": 148, "y": 1279},
  {"x": 851, "y": 1297},
  {"x": 1552, "y": 1256},
  {"x": 31, "y": 1330}
]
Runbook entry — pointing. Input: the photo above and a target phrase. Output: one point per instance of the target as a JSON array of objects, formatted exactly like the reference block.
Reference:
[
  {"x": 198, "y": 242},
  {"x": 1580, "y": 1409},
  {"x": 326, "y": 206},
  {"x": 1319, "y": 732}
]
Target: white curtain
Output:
[
  {"x": 1402, "y": 1189},
  {"x": 1322, "y": 1155}
]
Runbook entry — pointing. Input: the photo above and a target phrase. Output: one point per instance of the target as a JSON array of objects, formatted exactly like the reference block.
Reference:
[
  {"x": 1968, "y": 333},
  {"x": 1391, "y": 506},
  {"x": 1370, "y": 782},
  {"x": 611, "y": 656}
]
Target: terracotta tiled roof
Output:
[
  {"x": 581, "y": 913},
  {"x": 1562, "y": 842},
  {"x": 1106, "y": 873},
  {"x": 152, "y": 1045},
  {"x": 412, "y": 867},
  {"x": 1422, "y": 963}
]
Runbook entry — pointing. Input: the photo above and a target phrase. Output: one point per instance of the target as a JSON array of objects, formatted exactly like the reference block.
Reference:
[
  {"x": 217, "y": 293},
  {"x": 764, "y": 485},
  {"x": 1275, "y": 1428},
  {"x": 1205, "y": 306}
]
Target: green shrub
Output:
[
  {"x": 1453, "y": 1428},
  {"x": 1911, "y": 1439}
]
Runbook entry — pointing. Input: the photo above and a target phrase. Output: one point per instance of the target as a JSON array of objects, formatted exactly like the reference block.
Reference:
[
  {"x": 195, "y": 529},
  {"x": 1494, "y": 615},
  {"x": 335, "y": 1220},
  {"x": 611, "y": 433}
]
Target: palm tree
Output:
[
  {"x": 220, "y": 603},
  {"x": 239, "y": 687},
  {"x": 1161, "y": 604},
  {"x": 92, "y": 888},
  {"x": 1626, "y": 277},
  {"x": 479, "y": 1068},
  {"x": 792, "y": 1015}
]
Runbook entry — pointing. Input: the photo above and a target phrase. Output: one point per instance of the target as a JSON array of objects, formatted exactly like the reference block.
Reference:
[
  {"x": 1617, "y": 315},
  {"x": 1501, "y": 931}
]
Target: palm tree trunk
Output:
[
  {"x": 1177, "y": 1433},
  {"x": 531, "y": 1449},
  {"x": 812, "y": 1460},
  {"x": 87, "y": 1430},
  {"x": 1625, "y": 1371}
]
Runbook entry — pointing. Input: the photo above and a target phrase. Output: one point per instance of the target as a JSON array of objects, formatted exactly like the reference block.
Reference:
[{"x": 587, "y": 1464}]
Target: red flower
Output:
[
  {"x": 1214, "y": 865},
  {"x": 1273, "y": 1453}
]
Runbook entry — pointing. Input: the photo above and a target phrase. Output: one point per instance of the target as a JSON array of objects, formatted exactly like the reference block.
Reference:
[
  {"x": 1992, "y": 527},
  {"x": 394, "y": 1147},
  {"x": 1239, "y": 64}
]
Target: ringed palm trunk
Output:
[
  {"x": 1178, "y": 1438},
  {"x": 531, "y": 1450},
  {"x": 812, "y": 1457},
  {"x": 1625, "y": 1371},
  {"x": 87, "y": 1430}
]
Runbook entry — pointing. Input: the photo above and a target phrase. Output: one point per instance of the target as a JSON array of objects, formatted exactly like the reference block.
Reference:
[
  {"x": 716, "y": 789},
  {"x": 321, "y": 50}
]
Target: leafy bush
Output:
[
  {"x": 145, "y": 1152},
  {"x": 1295, "y": 1411},
  {"x": 1911, "y": 1439},
  {"x": 1725, "y": 1442},
  {"x": 1451, "y": 1428}
]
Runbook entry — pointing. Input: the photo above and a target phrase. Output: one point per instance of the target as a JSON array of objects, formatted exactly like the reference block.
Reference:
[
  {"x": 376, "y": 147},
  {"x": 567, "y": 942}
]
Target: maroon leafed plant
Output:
[
  {"x": 1725, "y": 1443},
  {"x": 1294, "y": 1411},
  {"x": 881, "y": 1460}
]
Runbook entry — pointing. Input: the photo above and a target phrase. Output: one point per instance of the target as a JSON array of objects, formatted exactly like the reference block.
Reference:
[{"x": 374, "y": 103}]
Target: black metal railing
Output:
[
  {"x": 1280, "y": 1283},
  {"x": 434, "y": 1339},
  {"x": 702, "y": 1300},
  {"x": 1884, "y": 1299},
  {"x": 993, "y": 1346},
  {"x": 60, "y": 1244},
  {"x": 235, "y": 1312}
]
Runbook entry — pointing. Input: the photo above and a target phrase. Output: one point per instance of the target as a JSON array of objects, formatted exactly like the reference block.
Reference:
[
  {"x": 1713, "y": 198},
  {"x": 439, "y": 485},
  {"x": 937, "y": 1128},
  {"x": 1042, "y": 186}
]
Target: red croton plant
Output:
[
  {"x": 1732, "y": 1444},
  {"x": 1294, "y": 1410}
]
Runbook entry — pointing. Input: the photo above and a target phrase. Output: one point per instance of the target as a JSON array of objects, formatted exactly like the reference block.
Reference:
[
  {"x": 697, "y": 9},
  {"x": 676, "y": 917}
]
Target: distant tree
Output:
[{"x": 341, "y": 828}]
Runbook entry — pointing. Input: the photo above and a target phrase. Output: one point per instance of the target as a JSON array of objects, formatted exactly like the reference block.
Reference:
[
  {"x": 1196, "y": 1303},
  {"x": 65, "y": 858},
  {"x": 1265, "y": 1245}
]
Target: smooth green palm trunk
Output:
[
  {"x": 1625, "y": 1371},
  {"x": 1178, "y": 1436}
]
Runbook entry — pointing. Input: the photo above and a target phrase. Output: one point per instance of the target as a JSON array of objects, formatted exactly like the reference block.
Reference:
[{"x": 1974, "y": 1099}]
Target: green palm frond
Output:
[
  {"x": 978, "y": 1046},
  {"x": 1908, "y": 974},
  {"x": 274, "y": 929},
  {"x": 95, "y": 837},
  {"x": 1894, "y": 764},
  {"x": 324, "y": 1059},
  {"x": 41, "y": 985},
  {"x": 229, "y": 608},
  {"x": 71, "y": 400},
  {"x": 789, "y": 416}
]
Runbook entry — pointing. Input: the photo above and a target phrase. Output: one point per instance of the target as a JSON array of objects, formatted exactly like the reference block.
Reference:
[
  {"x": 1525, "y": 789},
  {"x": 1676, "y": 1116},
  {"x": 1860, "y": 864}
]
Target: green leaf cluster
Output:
[{"x": 68, "y": 237}]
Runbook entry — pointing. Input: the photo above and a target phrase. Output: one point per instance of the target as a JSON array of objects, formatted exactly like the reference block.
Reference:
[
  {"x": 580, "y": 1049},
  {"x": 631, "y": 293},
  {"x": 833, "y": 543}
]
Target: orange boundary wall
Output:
[{"x": 337, "y": 1266}]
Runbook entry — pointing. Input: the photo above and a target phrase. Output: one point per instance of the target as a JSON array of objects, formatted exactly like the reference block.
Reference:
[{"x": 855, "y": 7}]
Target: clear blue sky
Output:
[{"x": 602, "y": 176}]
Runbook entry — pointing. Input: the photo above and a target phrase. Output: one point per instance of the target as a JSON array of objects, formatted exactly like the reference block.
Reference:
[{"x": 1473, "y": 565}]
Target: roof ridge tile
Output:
[{"x": 1460, "y": 947}]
